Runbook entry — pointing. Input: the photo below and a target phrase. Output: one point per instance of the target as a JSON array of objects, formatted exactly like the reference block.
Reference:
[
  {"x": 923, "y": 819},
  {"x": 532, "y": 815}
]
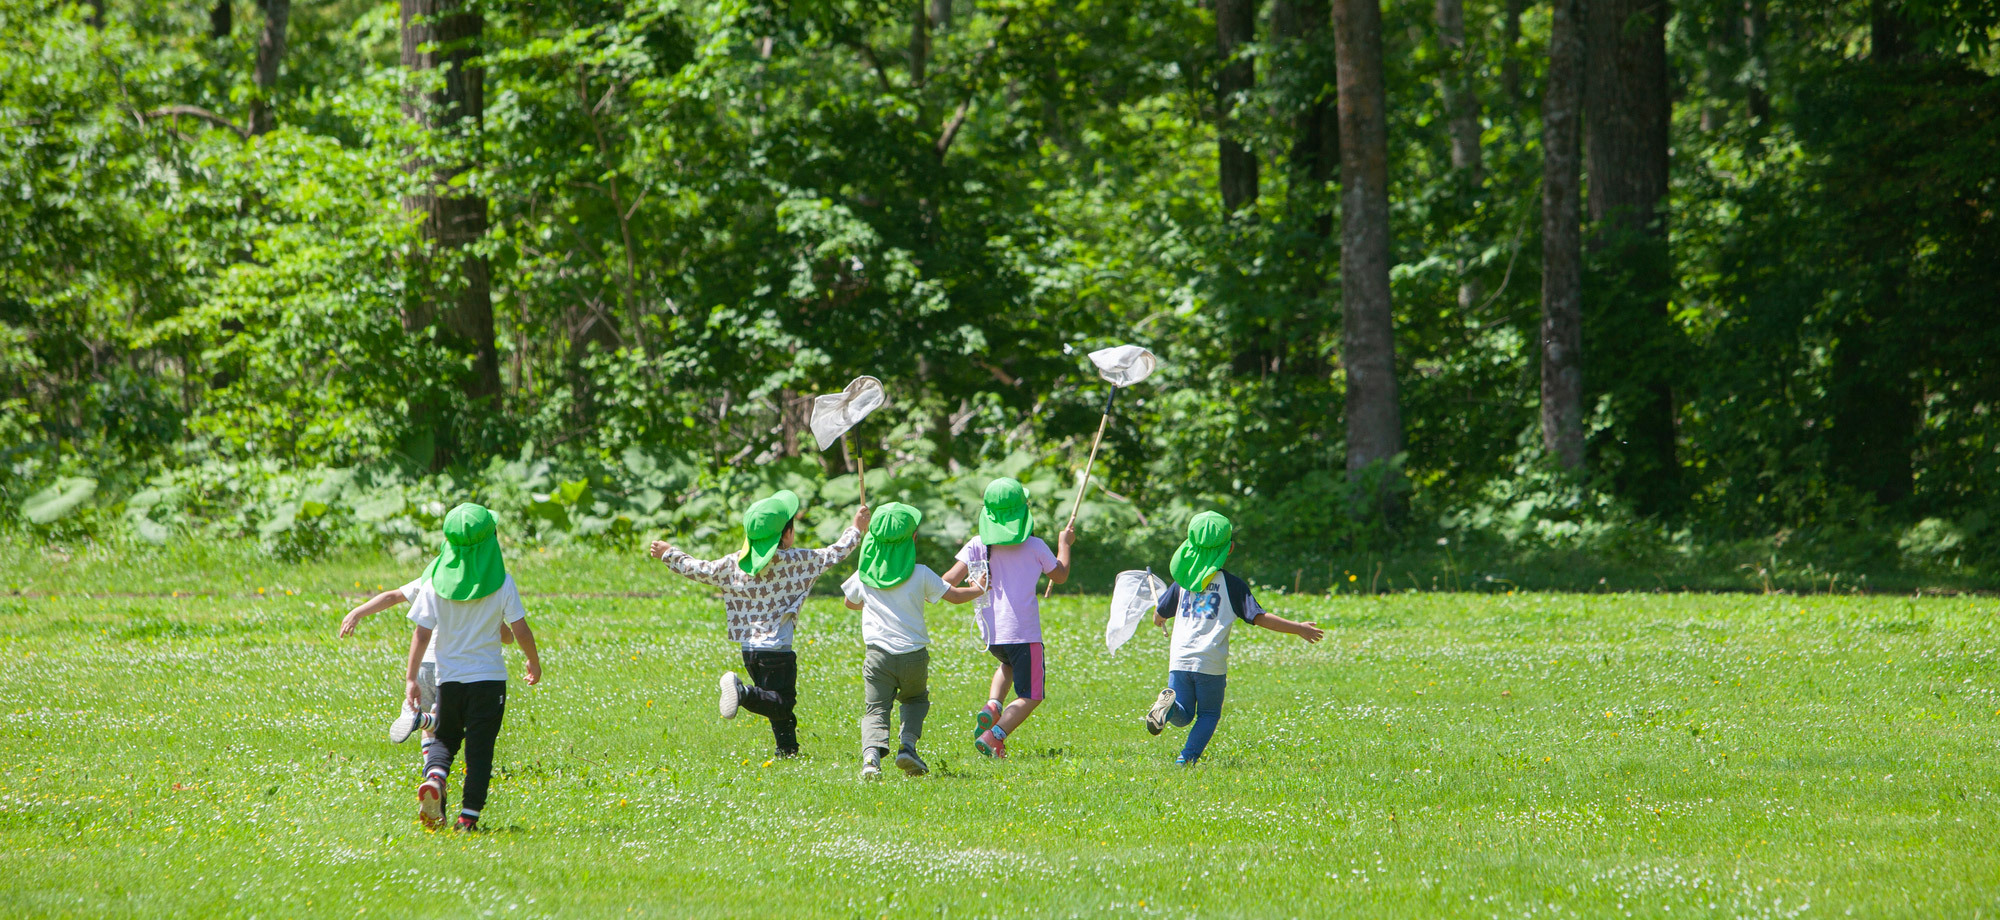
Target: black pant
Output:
[
  {"x": 470, "y": 713},
  {"x": 774, "y": 690}
]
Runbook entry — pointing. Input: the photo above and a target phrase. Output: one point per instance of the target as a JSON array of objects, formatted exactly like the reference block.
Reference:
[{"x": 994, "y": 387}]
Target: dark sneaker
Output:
[
  {"x": 409, "y": 722},
  {"x": 732, "y": 695},
  {"x": 984, "y": 719},
  {"x": 990, "y": 746},
  {"x": 1156, "y": 717},
  {"x": 430, "y": 803},
  {"x": 785, "y": 754},
  {"x": 912, "y": 765},
  {"x": 465, "y": 823}
]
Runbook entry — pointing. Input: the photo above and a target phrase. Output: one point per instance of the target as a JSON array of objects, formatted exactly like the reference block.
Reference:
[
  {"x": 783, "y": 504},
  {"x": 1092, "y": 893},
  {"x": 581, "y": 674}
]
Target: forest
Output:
[{"x": 1636, "y": 293}]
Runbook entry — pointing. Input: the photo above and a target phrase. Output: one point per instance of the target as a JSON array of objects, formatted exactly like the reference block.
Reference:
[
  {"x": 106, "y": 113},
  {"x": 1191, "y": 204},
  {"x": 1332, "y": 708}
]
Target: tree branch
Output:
[
  {"x": 873, "y": 62},
  {"x": 201, "y": 113},
  {"x": 965, "y": 107}
]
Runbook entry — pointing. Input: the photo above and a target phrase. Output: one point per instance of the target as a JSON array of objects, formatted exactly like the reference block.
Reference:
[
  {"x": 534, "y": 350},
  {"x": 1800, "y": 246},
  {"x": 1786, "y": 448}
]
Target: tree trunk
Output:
[
  {"x": 455, "y": 293},
  {"x": 1562, "y": 242},
  {"x": 1876, "y": 412},
  {"x": 1368, "y": 349},
  {"x": 221, "y": 18},
  {"x": 270, "y": 52},
  {"x": 941, "y": 14},
  {"x": 1627, "y": 112},
  {"x": 1461, "y": 103},
  {"x": 1236, "y": 165},
  {"x": 1510, "y": 62},
  {"x": 920, "y": 42},
  {"x": 1315, "y": 155},
  {"x": 1461, "y": 107},
  {"x": 1758, "y": 100}
]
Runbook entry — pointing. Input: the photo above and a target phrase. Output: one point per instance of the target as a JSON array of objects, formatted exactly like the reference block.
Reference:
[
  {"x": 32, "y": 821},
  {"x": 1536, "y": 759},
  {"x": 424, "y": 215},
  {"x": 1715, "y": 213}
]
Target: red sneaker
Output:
[
  {"x": 989, "y": 745},
  {"x": 430, "y": 802},
  {"x": 984, "y": 719}
]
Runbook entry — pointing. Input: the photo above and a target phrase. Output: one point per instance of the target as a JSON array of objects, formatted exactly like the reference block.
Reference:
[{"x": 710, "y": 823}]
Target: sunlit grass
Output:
[{"x": 1438, "y": 755}]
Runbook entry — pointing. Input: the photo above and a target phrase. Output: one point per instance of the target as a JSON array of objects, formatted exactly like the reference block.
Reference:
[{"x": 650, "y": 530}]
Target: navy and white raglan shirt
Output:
[{"x": 1202, "y": 620}]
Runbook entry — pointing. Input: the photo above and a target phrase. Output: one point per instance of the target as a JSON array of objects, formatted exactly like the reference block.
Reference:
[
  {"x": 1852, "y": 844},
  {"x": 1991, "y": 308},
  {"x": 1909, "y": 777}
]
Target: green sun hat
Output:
[
  {"x": 889, "y": 552},
  {"x": 763, "y": 526},
  {"x": 1203, "y": 552},
  {"x": 469, "y": 565},
  {"x": 1005, "y": 520}
]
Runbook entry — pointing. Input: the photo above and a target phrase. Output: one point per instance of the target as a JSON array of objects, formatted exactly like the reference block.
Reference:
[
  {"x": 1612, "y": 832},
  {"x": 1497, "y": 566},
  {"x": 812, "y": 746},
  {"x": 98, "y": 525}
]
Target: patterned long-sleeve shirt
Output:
[{"x": 762, "y": 607}]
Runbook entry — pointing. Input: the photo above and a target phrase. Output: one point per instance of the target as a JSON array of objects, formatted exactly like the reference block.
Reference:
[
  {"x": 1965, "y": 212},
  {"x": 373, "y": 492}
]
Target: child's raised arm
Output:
[
  {"x": 1308, "y": 631},
  {"x": 376, "y": 604}
]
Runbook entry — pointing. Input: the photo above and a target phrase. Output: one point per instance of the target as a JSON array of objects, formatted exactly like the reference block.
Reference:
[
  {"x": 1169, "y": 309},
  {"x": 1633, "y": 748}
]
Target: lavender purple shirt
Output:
[{"x": 1016, "y": 570}]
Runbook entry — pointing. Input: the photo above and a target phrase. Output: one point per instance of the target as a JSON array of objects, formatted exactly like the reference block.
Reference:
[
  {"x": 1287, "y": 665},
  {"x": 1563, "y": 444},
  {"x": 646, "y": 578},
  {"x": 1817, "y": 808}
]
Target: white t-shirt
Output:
[
  {"x": 417, "y": 592},
  {"x": 467, "y": 633},
  {"x": 892, "y": 619},
  {"x": 1201, "y": 625}
]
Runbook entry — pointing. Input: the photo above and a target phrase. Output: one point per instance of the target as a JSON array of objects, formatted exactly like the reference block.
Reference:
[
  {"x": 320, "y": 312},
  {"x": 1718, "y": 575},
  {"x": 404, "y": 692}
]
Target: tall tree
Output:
[
  {"x": 221, "y": 18},
  {"x": 1562, "y": 241},
  {"x": 270, "y": 53},
  {"x": 1315, "y": 152},
  {"x": 1875, "y": 399},
  {"x": 1368, "y": 352},
  {"x": 1461, "y": 107},
  {"x": 1236, "y": 165},
  {"x": 455, "y": 290},
  {"x": 1627, "y": 111}
]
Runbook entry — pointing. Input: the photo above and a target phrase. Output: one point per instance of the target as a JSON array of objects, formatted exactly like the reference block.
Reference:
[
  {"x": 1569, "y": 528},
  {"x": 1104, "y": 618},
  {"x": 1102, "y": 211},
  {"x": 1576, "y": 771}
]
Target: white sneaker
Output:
[
  {"x": 871, "y": 767},
  {"x": 408, "y": 722},
  {"x": 1156, "y": 717},
  {"x": 732, "y": 695}
]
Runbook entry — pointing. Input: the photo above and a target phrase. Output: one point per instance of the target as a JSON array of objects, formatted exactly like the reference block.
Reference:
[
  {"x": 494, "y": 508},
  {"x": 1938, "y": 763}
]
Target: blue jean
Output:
[{"x": 1197, "y": 699}]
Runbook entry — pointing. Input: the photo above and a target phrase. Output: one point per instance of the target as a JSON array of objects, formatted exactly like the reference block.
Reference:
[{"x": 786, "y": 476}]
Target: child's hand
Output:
[
  {"x": 659, "y": 549},
  {"x": 861, "y": 517},
  {"x": 981, "y": 582},
  {"x": 1067, "y": 538},
  {"x": 350, "y": 621},
  {"x": 534, "y": 675},
  {"x": 1310, "y": 631},
  {"x": 1159, "y": 622},
  {"x": 411, "y": 697}
]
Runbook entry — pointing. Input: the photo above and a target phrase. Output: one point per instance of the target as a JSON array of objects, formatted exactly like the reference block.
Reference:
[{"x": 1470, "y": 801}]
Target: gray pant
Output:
[{"x": 903, "y": 678}]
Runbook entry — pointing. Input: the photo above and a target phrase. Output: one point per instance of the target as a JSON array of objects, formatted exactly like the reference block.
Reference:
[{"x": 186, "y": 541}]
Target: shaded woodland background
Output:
[{"x": 1491, "y": 292}]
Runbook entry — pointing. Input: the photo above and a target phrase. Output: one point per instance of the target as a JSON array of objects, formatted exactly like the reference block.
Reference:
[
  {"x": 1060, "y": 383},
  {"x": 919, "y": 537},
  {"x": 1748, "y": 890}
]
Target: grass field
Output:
[{"x": 1438, "y": 756}]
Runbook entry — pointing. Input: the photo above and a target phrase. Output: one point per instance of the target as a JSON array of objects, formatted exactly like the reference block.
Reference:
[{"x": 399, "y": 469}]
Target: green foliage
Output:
[{"x": 701, "y": 213}]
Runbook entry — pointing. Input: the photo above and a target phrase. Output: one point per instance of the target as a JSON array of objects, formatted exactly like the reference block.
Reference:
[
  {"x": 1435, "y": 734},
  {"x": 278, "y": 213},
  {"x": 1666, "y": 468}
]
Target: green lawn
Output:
[{"x": 1438, "y": 755}]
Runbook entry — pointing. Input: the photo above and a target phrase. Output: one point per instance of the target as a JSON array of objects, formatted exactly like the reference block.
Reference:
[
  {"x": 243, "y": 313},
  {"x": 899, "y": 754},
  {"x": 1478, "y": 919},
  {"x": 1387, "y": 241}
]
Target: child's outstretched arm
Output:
[
  {"x": 707, "y": 571},
  {"x": 525, "y": 638},
  {"x": 1308, "y": 630},
  {"x": 374, "y": 605},
  {"x": 419, "y": 640},
  {"x": 964, "y": 593}
]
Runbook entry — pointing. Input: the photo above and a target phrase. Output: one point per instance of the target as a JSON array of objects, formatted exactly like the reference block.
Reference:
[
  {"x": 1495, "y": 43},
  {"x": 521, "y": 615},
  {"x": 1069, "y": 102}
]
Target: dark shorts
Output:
[{"x": 1026, "y": 660}]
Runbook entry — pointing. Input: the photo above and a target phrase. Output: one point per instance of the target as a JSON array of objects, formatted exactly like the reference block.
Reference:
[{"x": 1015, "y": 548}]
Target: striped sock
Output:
[
  {"x": 468, "y": 813},
  {"x": 436, "y": 773}
]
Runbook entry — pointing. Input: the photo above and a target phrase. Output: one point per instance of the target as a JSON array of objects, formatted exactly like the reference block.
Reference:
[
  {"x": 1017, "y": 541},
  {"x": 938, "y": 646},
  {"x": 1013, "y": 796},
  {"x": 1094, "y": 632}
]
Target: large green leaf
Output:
[{"x": 58, "y": 501}]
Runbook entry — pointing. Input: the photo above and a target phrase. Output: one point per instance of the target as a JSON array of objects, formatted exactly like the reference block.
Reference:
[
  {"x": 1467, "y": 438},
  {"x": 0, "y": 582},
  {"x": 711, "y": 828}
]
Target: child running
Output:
[
  {"x": 1203, "y": 607},
  {"x": 464, "y": 599},
  {"x": 409, "y": 720},
  {"x": 890, "y": 589},
  {"x": 763, "y": 585},
  {"x": 1015, "y": 560}
]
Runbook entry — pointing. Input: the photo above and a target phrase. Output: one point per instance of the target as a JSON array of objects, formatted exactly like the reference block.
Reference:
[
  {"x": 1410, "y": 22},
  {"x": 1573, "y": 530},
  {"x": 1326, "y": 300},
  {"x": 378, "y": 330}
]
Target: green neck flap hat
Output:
[
  {"x": 889, "y": 552},
  {"x": 1005, "y": 520},
  {"x": 469, "y": 566},
  {"x": 1203, "y": 552},
  {"x": 763, "y": 527}
]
